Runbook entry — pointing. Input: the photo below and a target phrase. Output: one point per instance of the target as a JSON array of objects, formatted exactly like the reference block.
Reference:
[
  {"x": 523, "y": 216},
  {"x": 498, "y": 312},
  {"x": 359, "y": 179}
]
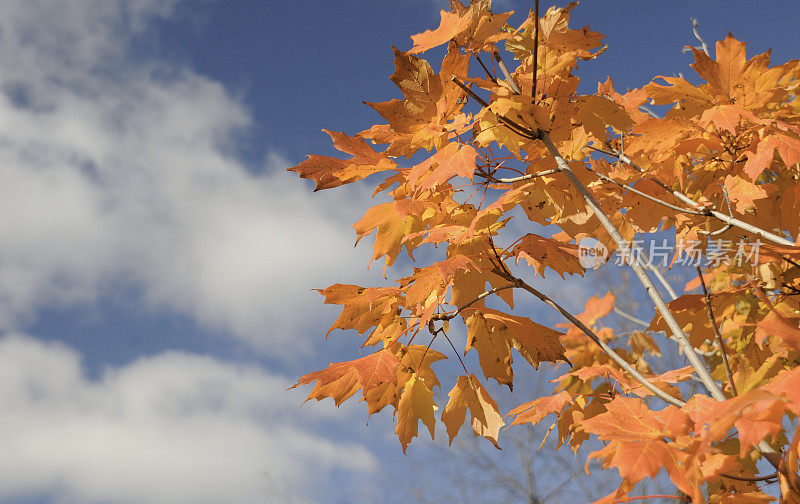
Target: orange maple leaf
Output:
[
  {"x": 341, "y": 380},
  {"x": 330, "y": 172},
  {"x": 416, "y": 403},
  {"x": 486, "y": 419}
]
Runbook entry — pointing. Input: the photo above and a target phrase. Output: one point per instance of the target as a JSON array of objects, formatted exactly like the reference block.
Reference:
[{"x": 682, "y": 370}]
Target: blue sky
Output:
[{"x": 156, "y": 260}]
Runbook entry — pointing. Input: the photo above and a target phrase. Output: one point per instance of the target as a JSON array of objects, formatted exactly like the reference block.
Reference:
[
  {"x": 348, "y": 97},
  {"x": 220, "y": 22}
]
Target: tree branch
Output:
[
  {"x": 599, "y": 342},
  {"x": 640, "y": 193},
  {"x": 727, "y": 219},
  {"x": 535, "y": 49},
  {"x": 717, "y": 334},
  {"x": 703, "y": 44},
  {"x": 661, "y": 306},
  {"x": 504, "y": 69},
  {"x": 513, "y": 126},
  {"x": 511, "y": 180},
  {"x": 450, "y": 316},
  {"x": 750, "y": 478}
]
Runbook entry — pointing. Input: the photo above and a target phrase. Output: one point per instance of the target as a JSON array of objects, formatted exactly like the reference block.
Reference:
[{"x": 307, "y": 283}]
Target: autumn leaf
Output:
[
  {"x": 494, "y": 352},
  {"x": 341, "y": 380},
  {"x": 454, "y": 160},
  {"x": 416, "y": 403},
  {"x": 330, "y": 172},
  {"x": 362, "y": 308},
  {"x": 493, "y": 334},
  {"x": 540, "y": 252},
  {"x": 451, "y": 25},
  {"x": 469, "y": 393},
  {"x": 392, "y": 222},
  {"x": 534, "y": 411}
]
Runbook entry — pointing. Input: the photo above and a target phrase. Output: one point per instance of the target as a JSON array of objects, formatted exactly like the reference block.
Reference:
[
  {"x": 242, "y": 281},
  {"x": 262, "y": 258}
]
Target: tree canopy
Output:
[{"x": 476, "y": 150}]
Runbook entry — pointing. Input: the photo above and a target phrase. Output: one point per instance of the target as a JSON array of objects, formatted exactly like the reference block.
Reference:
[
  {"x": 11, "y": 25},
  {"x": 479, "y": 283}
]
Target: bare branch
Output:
[
  {"x": 511, "y": 180},
  {"x": 630, "y": 317},
  {"x": 535, "y": 48},
  {"x": 504, "y": 69},
  {"x": 449, "y": 316},
  {"x": 703, "y": 44},
  {"x": 717, "y": 334}
]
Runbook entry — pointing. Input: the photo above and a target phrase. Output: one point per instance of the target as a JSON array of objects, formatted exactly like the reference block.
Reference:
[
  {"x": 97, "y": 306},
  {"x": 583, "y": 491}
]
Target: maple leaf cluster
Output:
[{"x": 491, "y": 144}]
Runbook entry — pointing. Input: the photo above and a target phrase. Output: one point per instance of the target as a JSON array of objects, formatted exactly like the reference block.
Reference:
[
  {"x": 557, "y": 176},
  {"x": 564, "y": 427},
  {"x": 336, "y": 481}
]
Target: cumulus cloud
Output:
[
  {"x": 173, "y": 428},
  {"x": 118, "y": 171}
]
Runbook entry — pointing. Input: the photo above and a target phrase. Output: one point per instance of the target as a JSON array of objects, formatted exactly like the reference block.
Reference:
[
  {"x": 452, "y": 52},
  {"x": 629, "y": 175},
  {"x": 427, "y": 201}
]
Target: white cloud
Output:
[
  {"x": 173, "y": 428},
  {"x": 117, "y": 172}
]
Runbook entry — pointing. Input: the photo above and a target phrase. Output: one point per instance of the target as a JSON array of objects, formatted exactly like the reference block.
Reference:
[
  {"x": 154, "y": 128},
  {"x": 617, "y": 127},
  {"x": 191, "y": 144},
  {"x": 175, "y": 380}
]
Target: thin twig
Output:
[
  {"x": 472, "y": 93},
  {"x": 630, "y": 317},
  {"x": 717, "y": 334},
  {"x": 511, "y": 180},
  {"x": 452, "y": 315},
  {"x": 717, "y": 232},
  {"x": 504, "y": 69},
  {"x": 510, "y": 124},
  {"x": 703, "y": 44},
  {"x": 602, "y": 344},
  {"x": 644, "y": 195},
  {"x": 660, "y": 276},
  {"x": 503, "y": 266},
  {"x": 642, "y": 323},
  {"x": 535, "y": 48},
  {"x": 750, "y": 478},
  {"x": 791, "y": 262},
  {"x": 705, "y": 211},
  {"x": 650, "y": 111},
  {"x": 488, "y": 73}
]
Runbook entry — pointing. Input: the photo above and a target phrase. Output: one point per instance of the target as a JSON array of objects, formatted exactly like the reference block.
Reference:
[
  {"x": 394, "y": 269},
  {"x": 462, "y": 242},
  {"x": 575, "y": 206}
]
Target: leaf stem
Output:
[{"x": 456, "y": 351}]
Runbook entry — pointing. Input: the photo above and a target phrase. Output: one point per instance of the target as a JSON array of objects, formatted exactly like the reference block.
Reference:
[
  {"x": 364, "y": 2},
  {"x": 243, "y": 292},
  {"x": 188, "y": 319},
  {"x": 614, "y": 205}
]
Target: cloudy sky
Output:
[{"x": 156, "y": 260}]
